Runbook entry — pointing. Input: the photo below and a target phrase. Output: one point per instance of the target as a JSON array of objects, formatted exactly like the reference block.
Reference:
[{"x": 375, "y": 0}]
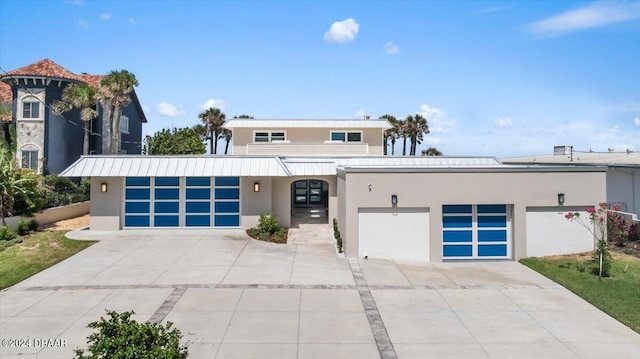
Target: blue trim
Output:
[
  {"x": 227, "y": 220},
  {"x": 227, "y": 193},
  {"x": 457, "y": 236},
  {"x": 457, "y": 251},
  {"x": 138, "y": 181},
  {"x": 457, "y": 221},
  {"x": 198, "y": 221},
  {"x": 166, "y": 221},
  {"x": 167, "y": 181},
  {"x": 137, "y": 193},
  {"x": 492, "y": 208},
  {"x": 227, "y": 207},
  {"x": 228, "y": 181},
  {"x": 167, "y": 193},
  {"x": 136, "y": 207},
  {"x": 199, "y": 181},
  {"x": 136, "y": 221},
  {"x": 492, "y": 250},
  {"x": 198, "y": 193},
  {"x": 492, "y": 235},
  {"x": 457, "y": 208},
  {"x": 166, "y": 207},
  {"x": 492, "y": 221},
  {"x": 198, "y": 207}
]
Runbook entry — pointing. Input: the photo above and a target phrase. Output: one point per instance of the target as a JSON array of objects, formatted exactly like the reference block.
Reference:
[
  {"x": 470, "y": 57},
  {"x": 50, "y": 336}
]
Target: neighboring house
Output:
[
  {"x": 407, "y": 208},
  {"x": 623, "y": 172},
  {"x": 47, "y": 142}
]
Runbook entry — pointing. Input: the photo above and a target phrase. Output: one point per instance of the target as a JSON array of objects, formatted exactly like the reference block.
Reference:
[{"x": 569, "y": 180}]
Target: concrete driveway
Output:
[{"x": 234, "y": 297}]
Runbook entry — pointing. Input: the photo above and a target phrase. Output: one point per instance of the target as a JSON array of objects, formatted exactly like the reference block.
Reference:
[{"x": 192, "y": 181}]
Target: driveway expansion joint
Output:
[
  {"x": 380, "y": 335},
  {"x": 168, "y": 304}
]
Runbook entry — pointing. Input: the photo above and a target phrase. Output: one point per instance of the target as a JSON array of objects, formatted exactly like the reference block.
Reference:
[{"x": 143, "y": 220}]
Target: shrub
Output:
[
  {"x": 617, "y": 229},
  {"x": 337, "y": 236},
  {"x": 268, "y": 224},
  {"x": 23, "y": 228},
  {"x": 33, "y": 224},
  {"x": 61, "y": 191},
  {"x": 6, "y": 234},
  {"x": 122, "y": 337},
  {"x": 634, "y": 232}
]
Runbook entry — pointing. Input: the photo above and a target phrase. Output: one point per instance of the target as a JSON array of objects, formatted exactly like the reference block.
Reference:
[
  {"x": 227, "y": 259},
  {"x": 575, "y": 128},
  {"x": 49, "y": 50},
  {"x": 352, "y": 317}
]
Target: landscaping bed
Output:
[
  {"x": 268, "y": 230},
  {"x": 617, "y": 295}
]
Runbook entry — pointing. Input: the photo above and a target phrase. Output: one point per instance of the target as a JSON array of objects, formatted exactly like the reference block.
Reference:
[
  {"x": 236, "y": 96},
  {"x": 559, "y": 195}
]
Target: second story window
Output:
[
  {"x": 124, "y": 124},
  {"x": 269, "y": 136},
  {"x": 30, "y": 108},
  {"x": 30, "y": 160},
  {"x": 345, "y": 136}
]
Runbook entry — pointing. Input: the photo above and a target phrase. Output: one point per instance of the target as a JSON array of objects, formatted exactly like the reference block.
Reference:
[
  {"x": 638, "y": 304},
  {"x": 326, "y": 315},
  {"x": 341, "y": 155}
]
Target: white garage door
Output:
[
  {"x": 394, "y": 233},
  {"x": 550, "y": 233}
]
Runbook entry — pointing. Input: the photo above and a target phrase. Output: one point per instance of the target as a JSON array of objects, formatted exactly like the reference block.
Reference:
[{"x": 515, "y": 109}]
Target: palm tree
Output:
[
  {"x": 226, "y": 134},
  {"x": 213, "y": 119},
  {"x": 419, "y": 127},
  {"x": 83, "y": 97},
  {"x": 115, "y": 88},
  {"x": 390, "y": 133},
  {"x": 431, "y": 151},
  {"x": 403, "y": 131}
]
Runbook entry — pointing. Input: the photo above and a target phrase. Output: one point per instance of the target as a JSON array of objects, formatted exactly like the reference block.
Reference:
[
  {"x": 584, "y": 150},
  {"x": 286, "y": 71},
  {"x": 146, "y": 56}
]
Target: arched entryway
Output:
[{"x": 309, "y": 201}]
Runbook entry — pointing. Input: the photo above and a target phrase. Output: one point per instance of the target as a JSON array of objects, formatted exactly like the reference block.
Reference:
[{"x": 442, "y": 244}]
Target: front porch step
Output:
[{"x": 311, "y": 233}]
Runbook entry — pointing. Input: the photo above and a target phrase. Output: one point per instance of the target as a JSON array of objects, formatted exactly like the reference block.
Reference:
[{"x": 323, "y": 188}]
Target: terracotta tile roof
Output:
[
  {"x": 92, "y": 80},
  {"x": 6, "y": 96},
  {"x": 44, "y": 68}
]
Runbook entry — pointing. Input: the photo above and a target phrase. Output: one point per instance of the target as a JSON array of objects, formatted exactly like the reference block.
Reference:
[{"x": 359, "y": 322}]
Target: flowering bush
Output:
[{"x": 598, "y": 220}]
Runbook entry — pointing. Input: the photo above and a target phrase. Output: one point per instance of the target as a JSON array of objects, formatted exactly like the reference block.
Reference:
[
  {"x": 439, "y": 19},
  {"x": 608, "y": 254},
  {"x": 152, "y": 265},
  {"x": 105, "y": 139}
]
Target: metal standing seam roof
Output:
[
  {"x": 257, "y": 124},
  {"x": 152, "y": 166}
]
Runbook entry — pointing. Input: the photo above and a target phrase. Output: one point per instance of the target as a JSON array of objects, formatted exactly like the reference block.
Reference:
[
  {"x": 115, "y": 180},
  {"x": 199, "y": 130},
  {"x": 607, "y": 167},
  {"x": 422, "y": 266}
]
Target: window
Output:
[
  {"x": 30, "y": 160},
  {"x": 269, "y": 136},
  {"x": 30, "y": 109},
  {"x": 124, "y": 124},
  {"x": 340, "y": 136}
]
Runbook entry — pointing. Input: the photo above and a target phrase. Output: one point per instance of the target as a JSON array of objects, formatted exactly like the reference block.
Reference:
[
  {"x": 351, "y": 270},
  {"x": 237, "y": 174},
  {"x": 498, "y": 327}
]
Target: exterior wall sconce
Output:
[
  {"x": 561, "y": 199},
  {"x": 394, "y": 200},
  {"x": 103, "y": 187},
  {"x": 256, "y": 187}
]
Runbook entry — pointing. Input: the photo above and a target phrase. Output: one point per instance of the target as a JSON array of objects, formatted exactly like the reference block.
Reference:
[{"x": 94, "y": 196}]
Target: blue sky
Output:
[{"x": 493, "y": 77}]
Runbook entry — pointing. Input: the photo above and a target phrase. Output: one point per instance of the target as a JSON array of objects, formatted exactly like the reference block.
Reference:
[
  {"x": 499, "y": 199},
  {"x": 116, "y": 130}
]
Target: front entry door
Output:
[{"x": 307, "y": 192}]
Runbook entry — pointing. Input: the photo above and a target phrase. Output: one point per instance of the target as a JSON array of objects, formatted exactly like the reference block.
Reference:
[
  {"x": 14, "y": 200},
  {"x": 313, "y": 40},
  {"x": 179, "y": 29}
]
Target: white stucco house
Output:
[{"x": 405, "y": 208}]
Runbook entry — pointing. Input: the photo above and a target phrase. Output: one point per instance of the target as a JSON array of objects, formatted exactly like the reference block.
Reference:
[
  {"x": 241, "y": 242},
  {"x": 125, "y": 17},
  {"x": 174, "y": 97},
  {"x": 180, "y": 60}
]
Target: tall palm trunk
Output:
[
  {"x": 385, "y": 140},
  {"x": 85, "y": 144},
  {"x": 393, "y": 146},
  {"x": 215, "y": 142},
  {"x": 226, "y": 146},
  {"x": 210, "y": 142},
  {"x": 107, "y": 111},
  {"x": 115, "y": 130},
  {"x": 404, "y": 145}
]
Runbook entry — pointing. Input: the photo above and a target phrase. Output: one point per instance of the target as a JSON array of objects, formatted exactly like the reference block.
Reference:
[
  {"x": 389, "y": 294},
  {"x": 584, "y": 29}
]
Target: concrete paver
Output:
[{"x": 233, "y": 297}]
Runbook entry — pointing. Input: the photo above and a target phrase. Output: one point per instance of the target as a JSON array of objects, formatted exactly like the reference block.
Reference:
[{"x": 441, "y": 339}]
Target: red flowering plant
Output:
[{"x": 598, "y": 227}]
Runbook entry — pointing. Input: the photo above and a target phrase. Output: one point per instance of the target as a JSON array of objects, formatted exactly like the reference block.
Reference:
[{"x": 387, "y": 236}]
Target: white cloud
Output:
[
  {"x": 596, "y": 14},
  {"x": 342, "y": 31},
  {"x": 614, "y": 129},
  {"x": 503, "y": 122},
  {"x": 169, "y": 110},
  {"x": 494, "y": 9},
  {"x": 636, "y": 121},
  {"x": 438, "y": 120},
  {"x": 361, "y": 113},
  {"x": 218, "y": 103},
  {"x": 391, "y": 48},
  {"x": 105, "y": 16},
  {"x": 132, "y": 20},
  {"x": 83, "y": 23}
]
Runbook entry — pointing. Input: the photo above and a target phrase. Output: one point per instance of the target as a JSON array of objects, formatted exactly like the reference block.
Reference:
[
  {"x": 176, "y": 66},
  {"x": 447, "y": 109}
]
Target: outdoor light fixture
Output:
[
  {"x": 561, "y": 198},
  {"x": 256, "y": 187},
  {"x": 103, "y": 187},
  {"x": 394, "y": 200}
]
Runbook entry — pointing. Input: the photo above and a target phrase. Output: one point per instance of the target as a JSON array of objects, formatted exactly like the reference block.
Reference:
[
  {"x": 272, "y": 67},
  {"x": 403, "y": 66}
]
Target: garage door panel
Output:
[
  {"x": 492, "y": 250},
  {"x": 137, "y": 193},
  {"x": 549, "y": 233},
  {"x": 227, "y": 220},
  {"x": 136, "y": 221},
  {"x": 198, "y": 221},
  {"x": 166, "y": 221},
  {"x": 457, "y": 222},
  {"x": 167, "y": 193},
  {"x": 394, "y": 233},
  {"x": 227, "y": 207},
  {"x": 166, "y": 207},
  {"x": 492, "y": 236},
  {"x": 137, "y": 207},
  {"x": 457, "y": 236},
  {"x": 457, "y": 251}
]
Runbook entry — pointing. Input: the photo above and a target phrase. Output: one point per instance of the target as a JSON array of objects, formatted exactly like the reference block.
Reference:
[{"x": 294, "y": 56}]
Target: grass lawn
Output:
[
  {"x": 39, "y": 252},
  {"x": 618, "y": 296}
]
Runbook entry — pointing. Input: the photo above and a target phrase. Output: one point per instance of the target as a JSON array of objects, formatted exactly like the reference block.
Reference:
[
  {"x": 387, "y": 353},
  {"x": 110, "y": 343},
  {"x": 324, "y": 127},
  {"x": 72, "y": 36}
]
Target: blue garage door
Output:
[
  {"x": 182, "y": 202},
  {"x": 475, "y": 231}
]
